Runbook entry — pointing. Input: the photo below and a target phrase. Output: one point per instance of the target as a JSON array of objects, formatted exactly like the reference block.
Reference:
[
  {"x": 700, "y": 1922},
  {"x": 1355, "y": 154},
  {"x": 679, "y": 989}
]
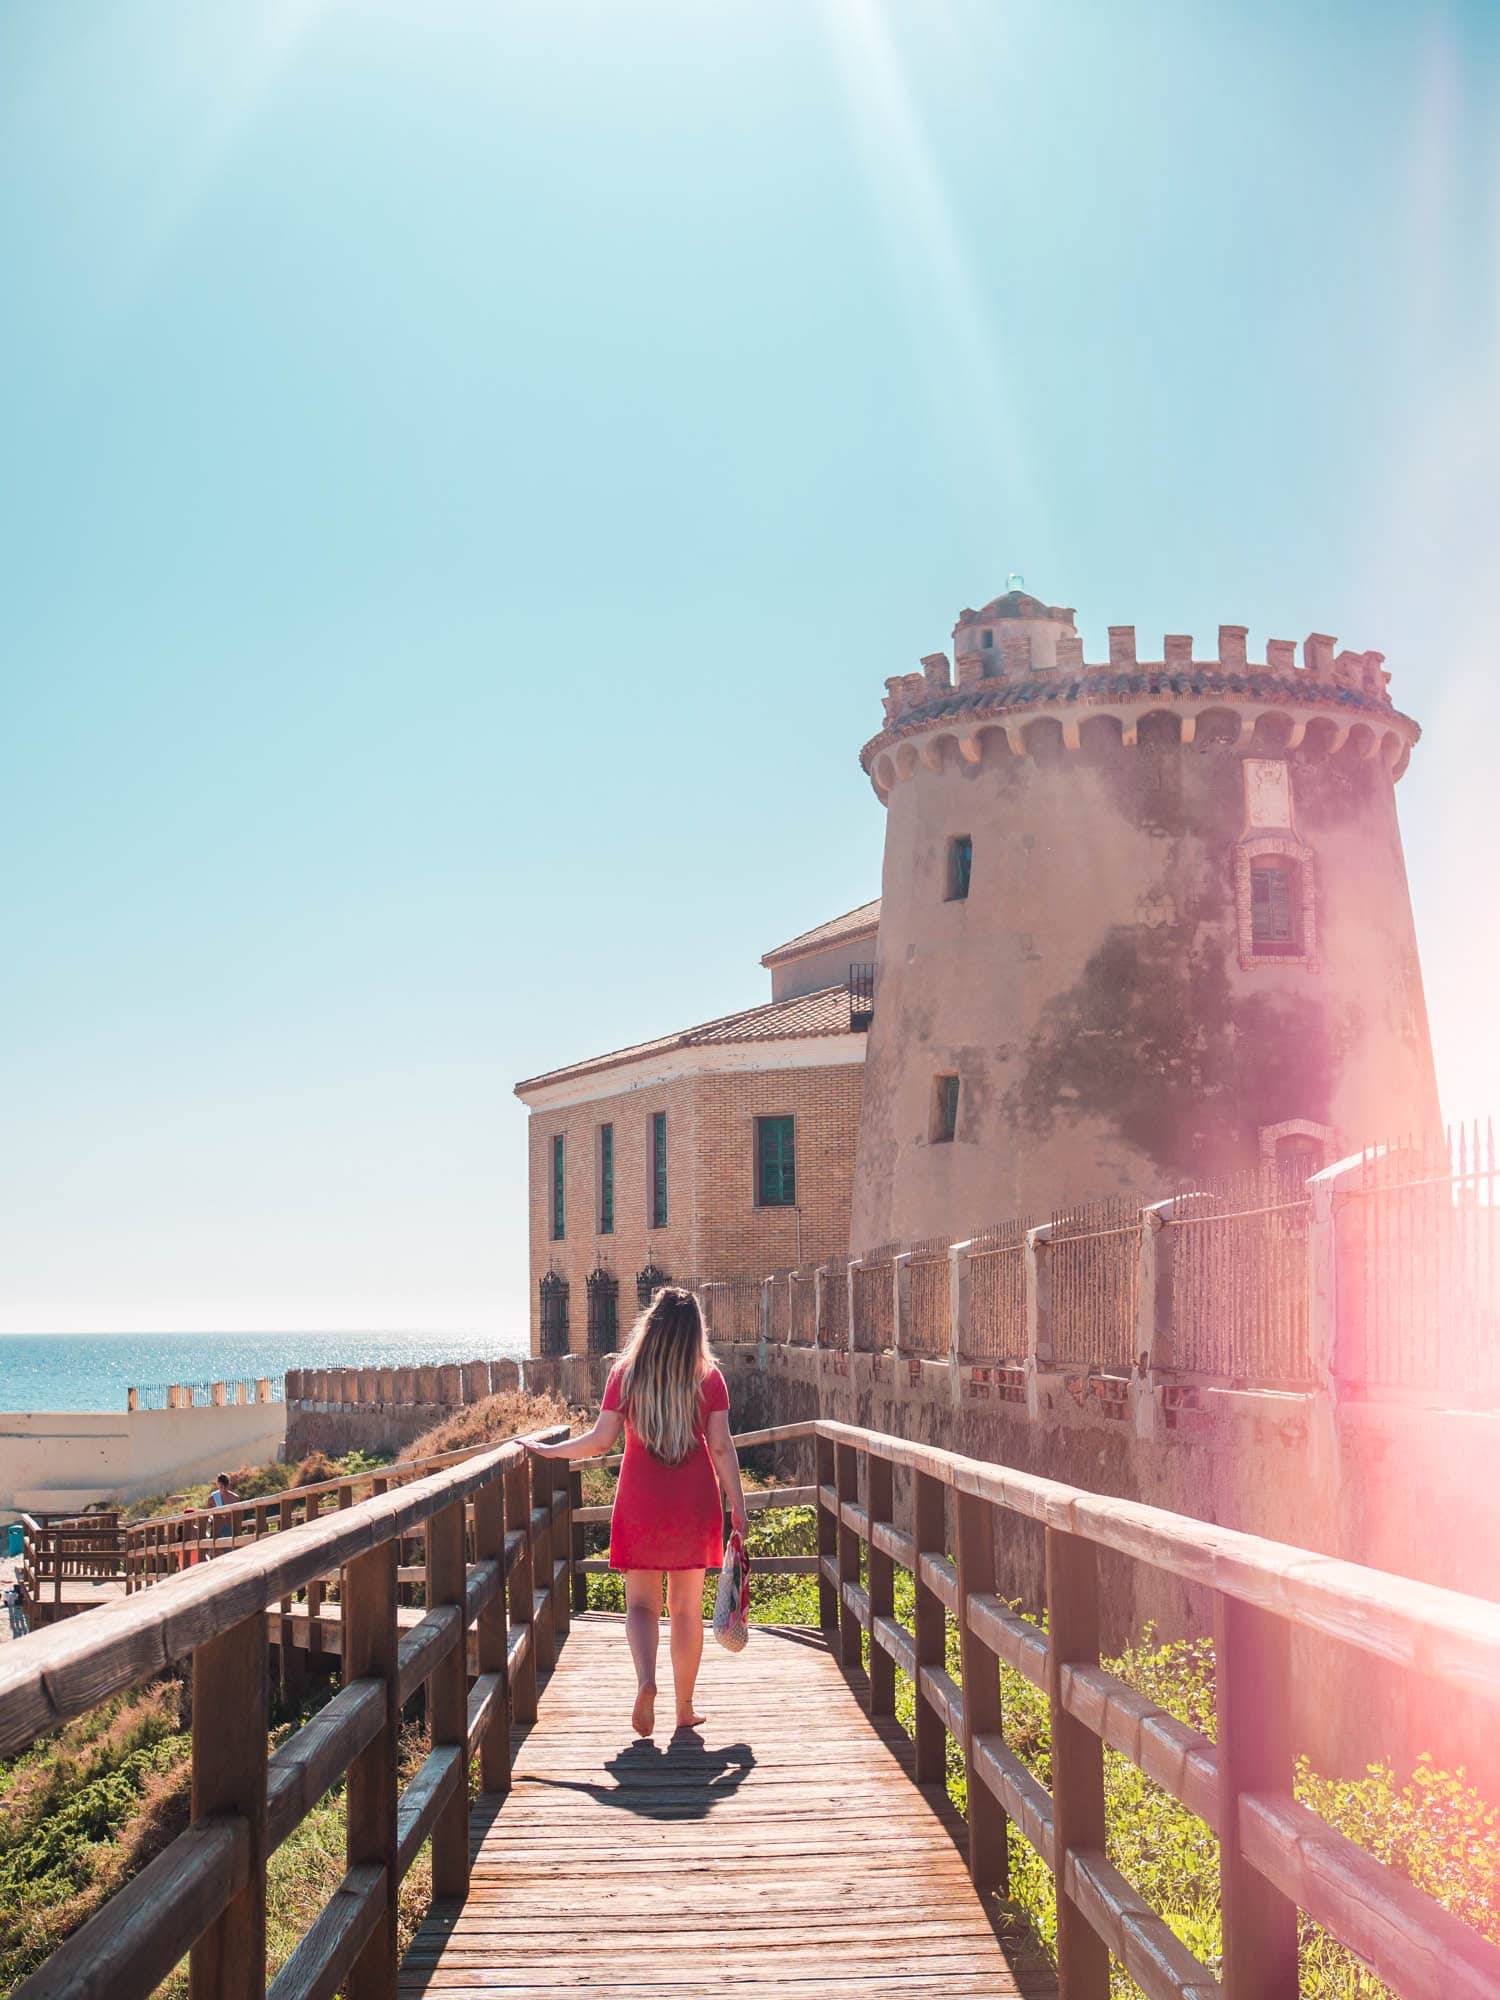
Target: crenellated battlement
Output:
[{"x": 1021, "y": 662}]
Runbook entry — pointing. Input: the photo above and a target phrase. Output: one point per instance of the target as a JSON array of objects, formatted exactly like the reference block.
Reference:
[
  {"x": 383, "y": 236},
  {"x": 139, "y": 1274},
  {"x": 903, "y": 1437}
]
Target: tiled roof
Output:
[
  {"x": 823, "y": 1013},
  {"x": 852, "y": 924}
]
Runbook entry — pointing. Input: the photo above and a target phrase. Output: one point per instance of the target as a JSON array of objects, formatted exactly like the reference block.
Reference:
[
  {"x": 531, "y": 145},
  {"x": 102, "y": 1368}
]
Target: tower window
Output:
[
  {"x": 960, "y": 865},
  {"x": 559, "y": 1194},
  {"x": 987, "y": 640},
  {"x": 606, "y": 1180},
  {"x": 659, "y": 1170},
  {"x": 775, "y": 1163},
  {"x": 1275, "y": 892},
  {"x": 944, "y": 1109}
]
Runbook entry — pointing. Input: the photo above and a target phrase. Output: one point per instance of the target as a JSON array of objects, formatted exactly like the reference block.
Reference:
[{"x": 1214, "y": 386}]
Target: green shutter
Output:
[
  {"x": 659, "y": 1170},
  {"x": 777, "y": 1145},
  {"x": 559, "y": 1200},
  {"x": 606, "y": 1180}
]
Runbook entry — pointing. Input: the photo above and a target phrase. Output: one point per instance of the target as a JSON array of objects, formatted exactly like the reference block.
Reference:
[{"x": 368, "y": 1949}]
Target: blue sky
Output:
[{"x": 470, "y": 467}]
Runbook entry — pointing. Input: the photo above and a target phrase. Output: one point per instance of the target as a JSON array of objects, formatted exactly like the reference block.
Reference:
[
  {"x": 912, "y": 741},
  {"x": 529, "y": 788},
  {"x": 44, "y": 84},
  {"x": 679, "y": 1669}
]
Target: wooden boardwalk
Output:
[{"x": 782, "y": 1849}]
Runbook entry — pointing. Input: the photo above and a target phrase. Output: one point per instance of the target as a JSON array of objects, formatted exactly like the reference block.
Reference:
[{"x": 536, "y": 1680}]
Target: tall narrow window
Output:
[
  {"x": 1274, "y": 894},
  {"x": 944, "y": 1108},
  {"x": 960, "y": 866},
  {"x": 659, "y": 1170},
  {"x": 775, "y": 1162},
  {"x": 606, "y": 1180},
  {"x": 988, "y": 639},
  {"x": 559, "y": 1196}
]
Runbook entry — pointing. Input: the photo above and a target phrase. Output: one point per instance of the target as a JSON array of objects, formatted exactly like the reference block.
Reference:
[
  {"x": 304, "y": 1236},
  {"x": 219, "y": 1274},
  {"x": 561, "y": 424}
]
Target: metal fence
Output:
[
  {"x": 1419, "y": 1232},
  {"x": 1239, "y": 1278},
  {"x": 994, "y": 1328},
  {"x": 779, "y": 1319},
  {"x": 200, "y": 1395},
  {"x": 804, "y": 1329},
  {"x": 874, "y": 1303},
  {"x": 1095, "y": 1277},
  {"x": 931, "y": 1324},
  {"x": 732, "y": 1308},
  {"x": 833, "y": 1325}
]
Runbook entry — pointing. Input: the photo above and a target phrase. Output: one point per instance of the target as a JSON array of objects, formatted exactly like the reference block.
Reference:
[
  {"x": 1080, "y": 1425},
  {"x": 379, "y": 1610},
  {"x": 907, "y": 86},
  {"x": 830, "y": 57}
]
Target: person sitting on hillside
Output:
[
  {"x": 223, "y": 1495},
  {"x": 668, "y": 1396}
]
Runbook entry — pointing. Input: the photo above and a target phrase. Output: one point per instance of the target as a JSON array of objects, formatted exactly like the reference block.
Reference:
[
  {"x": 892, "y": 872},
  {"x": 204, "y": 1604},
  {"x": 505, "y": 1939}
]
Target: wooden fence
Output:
[
  {"x": 1276, "y": 1857},
  {"x": 498, "y": 1560},
  {"x": 62, "y": 1550}
]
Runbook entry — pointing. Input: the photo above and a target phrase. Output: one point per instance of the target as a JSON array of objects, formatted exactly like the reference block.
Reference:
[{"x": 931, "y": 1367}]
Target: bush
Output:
[{"x": 510, "y": 1413}]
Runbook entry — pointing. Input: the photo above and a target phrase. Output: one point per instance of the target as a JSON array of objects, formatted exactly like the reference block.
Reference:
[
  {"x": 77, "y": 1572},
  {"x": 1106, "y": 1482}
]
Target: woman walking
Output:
[{"x": 672, "y": 1403}]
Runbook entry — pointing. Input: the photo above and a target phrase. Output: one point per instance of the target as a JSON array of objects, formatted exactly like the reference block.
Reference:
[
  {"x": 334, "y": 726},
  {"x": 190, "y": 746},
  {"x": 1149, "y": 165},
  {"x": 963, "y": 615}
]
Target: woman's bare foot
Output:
[
  {"x": 643, "y": 1715},
  {"x": 690, "y": 1720}
]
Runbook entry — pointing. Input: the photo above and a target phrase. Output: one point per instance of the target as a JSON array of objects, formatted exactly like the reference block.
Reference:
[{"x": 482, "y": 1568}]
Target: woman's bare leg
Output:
[
  {"x": 685, "y": 1609},
  {"x": 643, "y": 1631}
]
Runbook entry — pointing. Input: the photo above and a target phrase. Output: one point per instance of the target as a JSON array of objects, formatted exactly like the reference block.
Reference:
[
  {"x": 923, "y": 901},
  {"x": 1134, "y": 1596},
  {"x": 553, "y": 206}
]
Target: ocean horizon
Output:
[{"x": 93, "y": 1371}]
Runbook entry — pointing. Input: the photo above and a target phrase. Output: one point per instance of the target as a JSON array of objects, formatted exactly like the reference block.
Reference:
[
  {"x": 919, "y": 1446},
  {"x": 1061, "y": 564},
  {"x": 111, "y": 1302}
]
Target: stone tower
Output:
[{"x": 1139, "y": 921}]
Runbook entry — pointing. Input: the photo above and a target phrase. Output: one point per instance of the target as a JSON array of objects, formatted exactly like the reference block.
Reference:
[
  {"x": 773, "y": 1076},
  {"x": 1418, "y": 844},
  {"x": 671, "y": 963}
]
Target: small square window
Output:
[
  {"x": 960, "y": 866},
  {"x": 944, "y": 1109},
  {"x": 775, "y": 1163}
]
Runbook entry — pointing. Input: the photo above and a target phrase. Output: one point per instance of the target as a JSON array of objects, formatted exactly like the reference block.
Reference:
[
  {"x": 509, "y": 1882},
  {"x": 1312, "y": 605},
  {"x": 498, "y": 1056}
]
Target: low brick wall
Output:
[{"x": 336, "y": 1410}]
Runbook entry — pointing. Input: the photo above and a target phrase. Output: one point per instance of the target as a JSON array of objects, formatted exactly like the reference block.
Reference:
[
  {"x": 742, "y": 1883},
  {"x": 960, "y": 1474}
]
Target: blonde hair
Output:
[{"x": 662, "y": 1371}]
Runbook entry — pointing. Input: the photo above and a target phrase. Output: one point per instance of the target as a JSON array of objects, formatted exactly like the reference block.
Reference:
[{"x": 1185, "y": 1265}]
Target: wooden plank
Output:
[
  {"x": 302, "y": 1768},
  {"x": 434, "y": 1786},
  {"x": 231, "y": 1714},
  {"x": 1077, "y": 1759},
  {"x": 1016, "y": 1640},
  {"x": 941, "y": 1578},
  {"x": 339, "y": 1937},
  {"x": 1410, "y": 1942},
  {"x": 129, "y": 1947},
  {"x": 1252, "y": 1683},
  {"x": 1181, "y": 1760},
  {"x": 895, "y": 1640},
  {"x": 980, "y": 1668},
  {"x": 447, "y": 1704},
  {"x": 1132, "y": 1932},
  {"x": 362, "y": 1944},
  {"x": 828, "y": 1538},
  {"x": 428, "y": 1642}
]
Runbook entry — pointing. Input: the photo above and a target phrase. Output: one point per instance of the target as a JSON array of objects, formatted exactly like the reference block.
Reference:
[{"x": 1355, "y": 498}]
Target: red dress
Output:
[{"x": 668, "y": 1516}]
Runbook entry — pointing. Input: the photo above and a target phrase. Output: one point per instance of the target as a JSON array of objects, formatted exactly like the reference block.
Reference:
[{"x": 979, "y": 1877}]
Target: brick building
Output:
[{"x": 724, "y": 1150}]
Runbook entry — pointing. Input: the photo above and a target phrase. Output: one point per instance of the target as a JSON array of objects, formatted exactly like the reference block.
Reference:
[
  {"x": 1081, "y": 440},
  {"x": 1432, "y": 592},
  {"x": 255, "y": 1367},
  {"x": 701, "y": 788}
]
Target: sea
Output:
[{"x": 92, "y": 1371}]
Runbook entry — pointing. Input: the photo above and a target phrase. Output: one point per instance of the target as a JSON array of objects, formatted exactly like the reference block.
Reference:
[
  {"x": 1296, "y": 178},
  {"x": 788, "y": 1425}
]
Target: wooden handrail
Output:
[
  {"x": 1276, "y": 1857},
  {"x": 205, "y": 1893}
]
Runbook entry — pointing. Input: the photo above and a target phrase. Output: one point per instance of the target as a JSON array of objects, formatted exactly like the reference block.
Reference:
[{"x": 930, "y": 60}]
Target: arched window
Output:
[
  {"x": 1275, "y": 901},
  {"x": 604, "y": 1311},
  {"x": 554, "y": 1298},
  {"x": 1298, "y": 1147}
]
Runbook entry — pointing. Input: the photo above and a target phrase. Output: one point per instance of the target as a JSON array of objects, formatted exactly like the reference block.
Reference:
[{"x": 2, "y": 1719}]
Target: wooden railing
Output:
[
  {"x": 1276, "y": 1857},
  {"x": 498, "y": 1548},
  {"x": 61, "y": 1549}
]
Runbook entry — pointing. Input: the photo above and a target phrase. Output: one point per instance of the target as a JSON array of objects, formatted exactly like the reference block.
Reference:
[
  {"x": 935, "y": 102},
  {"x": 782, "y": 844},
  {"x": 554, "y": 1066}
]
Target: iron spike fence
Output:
[
  {"x": 1417, "y": 1248},
  {"x": 731, "y": 1307},
  {"x": 833, "y": 1313},
  {"x": 779, "y": 1327},
  {"x": 874, "y": 1302},
  {"x": 803, "y": 1286},
  {"x": 928, "y": 1329},
  {"x": 1239, "y": 1279},
  {"x": 994, "y": 1329},
  {"x": 200, "y": 1395},
  {"x": 1095, "y": 1252}
]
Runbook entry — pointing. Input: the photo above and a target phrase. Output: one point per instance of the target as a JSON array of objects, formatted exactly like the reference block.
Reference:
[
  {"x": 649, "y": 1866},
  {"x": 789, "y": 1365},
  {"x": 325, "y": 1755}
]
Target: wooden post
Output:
[
  {"x": 578, "y": 1582},
  {"x": 489, "y": 1546},
  {"x": 828, "y": 1537},
  {"x": 368, "y": 1601},
  {"x": 981, "y": 1683},
  {"x": 311, "y": 1508},
  {"x": 1253, "y": 1698},
  {"x": 231, "y": 1714},
  {"x": 930, "y": 1536},
  {"x": 544, "y": 1632},
  {"x": 518, "y": 1517},
  {"x": 846, "y": 1463},
  {"x": 561, "y": 1482},
  {"x": 882, "y": 1588},
  {"x": 447, "y": 1700},
  {"x": 1077, "y": 1757},
  {"x": 293, "y": 1660}
]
